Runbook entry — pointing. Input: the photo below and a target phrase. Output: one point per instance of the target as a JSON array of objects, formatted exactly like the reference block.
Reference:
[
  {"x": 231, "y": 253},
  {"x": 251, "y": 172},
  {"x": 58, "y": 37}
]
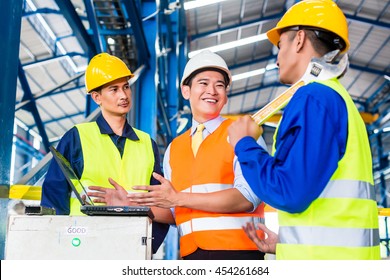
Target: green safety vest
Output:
[
  {"x": 342, "y": 223},
  {"x": 103, "y": 160}
]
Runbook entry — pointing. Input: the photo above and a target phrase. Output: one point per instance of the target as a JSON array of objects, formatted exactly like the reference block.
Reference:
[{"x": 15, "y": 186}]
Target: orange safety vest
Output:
[{"x": 211, "y": 170}]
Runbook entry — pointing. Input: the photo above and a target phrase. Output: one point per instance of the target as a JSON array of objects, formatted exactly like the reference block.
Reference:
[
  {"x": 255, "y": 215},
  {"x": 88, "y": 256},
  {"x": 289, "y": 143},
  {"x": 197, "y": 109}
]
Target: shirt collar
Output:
[
  {"x": 128, "y": 131},
  {"x": 210, "y": 125}
]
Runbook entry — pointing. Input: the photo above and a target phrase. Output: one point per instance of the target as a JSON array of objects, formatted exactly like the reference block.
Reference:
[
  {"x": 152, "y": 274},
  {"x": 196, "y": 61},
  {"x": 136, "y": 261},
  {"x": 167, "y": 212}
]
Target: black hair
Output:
[
  {"x": 188, "y": 80},
  {"x": 323, "y": 41}
]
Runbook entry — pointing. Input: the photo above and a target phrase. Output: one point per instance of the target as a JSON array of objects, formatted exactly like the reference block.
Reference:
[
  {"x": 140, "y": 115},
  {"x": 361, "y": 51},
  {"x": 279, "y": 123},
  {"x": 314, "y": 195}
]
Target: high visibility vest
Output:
[
  {"x": 103, "y": 160},
  {"x": 342, "y": 223},
  {"x": 210, "y": 171}
]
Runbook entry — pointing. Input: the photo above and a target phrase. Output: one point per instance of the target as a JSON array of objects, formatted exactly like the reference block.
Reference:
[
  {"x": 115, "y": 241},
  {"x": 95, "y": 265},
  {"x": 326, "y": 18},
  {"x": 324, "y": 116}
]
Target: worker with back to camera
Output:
[
  {"x": 204, "y": 185},
  {"x": 106, "y": 148},
  {"x": 320, "y": 174}
]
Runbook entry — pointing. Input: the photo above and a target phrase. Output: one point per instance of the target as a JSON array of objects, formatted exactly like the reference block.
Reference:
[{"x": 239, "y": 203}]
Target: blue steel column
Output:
[
  {"x": 99, "y": 47},
  {"x": 146, "y": 109},
  {"x": 10, "y": 23},
  {"x": 176, "y": 62},
  {"x": 181, "y": 51}
]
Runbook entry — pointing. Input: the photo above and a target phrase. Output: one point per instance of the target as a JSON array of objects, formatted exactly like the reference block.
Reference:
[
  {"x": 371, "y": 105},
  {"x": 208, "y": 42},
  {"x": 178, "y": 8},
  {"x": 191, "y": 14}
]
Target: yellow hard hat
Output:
[
  {"x": 104, "y": 68},
  {"x": 321, "y": 14}
]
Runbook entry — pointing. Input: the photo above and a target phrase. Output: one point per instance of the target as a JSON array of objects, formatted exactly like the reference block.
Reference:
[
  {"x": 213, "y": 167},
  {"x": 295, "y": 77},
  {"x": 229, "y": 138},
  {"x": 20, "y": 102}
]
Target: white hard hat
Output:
[{"x": 205, "y": 60}]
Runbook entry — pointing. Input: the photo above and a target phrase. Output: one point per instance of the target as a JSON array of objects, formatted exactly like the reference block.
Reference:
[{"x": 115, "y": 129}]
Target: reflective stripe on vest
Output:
[
  {"x": 103, "y": 160},
  {"x": 326, "y": 236},
  {"x": 349, "y": 188},
  {"x": 211, "y": 170},
  {"x": 207, "y": 188},
  {"x": 339, "y": 236},
  {"x": 216, "y": 223},
  {"x": 342, "y": 223}
]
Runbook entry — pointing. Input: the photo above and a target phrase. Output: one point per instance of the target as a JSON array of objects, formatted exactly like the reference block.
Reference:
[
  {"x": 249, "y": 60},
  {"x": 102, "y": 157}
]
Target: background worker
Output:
[
  {"x": 210, "y": 197},
  {"x": 106, "y": 148},
  {"x": 320, "y": 175}
]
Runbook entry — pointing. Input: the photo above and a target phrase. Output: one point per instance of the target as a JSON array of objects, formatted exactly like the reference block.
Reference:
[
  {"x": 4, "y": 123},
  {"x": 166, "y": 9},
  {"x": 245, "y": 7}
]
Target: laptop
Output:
[{"x": 87, "y": 205}]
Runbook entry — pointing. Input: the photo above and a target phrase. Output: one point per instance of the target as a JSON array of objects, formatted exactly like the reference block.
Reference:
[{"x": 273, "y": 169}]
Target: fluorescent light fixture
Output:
[
  {"x": 20, "y": 124},
  {"x": 387, "y": 77},
  {"x": 233, "y": 44},
  {"x": 248, "y": 74},
  {"x": 50, "y": 32},
  {"x": 254, "y": 72},
  {"x": 199, "y": 3}
]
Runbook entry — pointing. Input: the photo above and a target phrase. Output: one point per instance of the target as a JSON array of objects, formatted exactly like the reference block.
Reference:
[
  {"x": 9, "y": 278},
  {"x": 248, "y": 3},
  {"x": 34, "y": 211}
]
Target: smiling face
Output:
[
  {"x": 207, "y": 95},
  {"x": 114, "y": 98}
]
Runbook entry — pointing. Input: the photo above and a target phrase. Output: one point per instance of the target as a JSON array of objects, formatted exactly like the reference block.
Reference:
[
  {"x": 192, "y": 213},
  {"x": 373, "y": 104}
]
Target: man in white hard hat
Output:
[{"x": 205, "y": 189}]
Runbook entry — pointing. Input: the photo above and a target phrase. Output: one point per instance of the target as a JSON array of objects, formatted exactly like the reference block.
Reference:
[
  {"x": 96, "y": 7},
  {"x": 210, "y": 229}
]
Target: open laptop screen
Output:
[
  {"x": 72, "y": 178},
  {"x": 87, "y": 205}
]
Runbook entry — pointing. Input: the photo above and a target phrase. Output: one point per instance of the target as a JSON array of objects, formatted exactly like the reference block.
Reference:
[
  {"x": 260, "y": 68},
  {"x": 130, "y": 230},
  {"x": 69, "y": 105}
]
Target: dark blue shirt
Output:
[
  {"x": 56, "y": 190},
  {"x": 310, "y": 141}
]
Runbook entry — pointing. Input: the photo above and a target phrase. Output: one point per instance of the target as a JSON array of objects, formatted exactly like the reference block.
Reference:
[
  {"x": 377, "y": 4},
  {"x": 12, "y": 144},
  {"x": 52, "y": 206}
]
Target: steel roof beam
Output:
[
  {"x": 41, "y": 11},
  {"x": 76, "y": 25},
  {"x": 138, "y": 31},
  {"x": 31, "y": 107},
  {"x": 375, "y": 23},
  {"x": 26, "y": 102},
  {"x": 39, "y": 62},
  {"x": 278, "y": 16},
  {"x": 233, "y": 27}
]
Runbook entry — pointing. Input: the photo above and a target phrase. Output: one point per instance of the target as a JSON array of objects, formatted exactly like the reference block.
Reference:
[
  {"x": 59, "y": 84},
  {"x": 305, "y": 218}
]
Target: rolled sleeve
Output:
[{"x": 242, "y": 185}]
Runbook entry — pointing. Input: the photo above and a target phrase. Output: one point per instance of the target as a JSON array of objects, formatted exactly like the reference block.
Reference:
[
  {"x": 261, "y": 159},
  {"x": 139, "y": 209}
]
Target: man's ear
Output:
[
  {"x": 227, "y": 98},
  {"x": 96, "y": 96},
  {"x": 300, "y": 40},
  {"x": 186, "y": 92}
]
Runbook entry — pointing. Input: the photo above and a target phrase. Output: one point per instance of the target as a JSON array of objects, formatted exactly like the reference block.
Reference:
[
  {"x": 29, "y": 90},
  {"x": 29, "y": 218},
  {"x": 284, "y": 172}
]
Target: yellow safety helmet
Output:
[
  {"x": 321, "y": 14},
  {"x": 104, "y": 68}
]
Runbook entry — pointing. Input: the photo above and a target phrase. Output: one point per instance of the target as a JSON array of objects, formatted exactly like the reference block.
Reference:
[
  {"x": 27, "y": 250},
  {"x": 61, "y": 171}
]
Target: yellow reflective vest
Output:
[
  {"x": 342, "y": 223},
  {"x": 103, "y": 160}
]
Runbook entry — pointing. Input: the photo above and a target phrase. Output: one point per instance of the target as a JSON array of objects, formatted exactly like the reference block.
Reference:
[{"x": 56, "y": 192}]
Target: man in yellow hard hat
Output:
[
  {"x": 106, "y": 148},
  {"x": 320, "y": 174},
  {"x": 203, "y": 183}
]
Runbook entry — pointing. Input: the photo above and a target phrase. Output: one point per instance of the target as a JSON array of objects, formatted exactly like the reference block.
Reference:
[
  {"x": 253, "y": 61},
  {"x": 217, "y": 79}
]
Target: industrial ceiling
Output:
[{"x": 58, "y": 37}]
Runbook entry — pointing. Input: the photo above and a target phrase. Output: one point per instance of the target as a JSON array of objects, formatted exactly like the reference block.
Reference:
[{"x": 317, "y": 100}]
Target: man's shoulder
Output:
[
  {"x": 85, "y": 124},
  {"x": 320, "y": 92},
  {"x": 141, "y": 133}
]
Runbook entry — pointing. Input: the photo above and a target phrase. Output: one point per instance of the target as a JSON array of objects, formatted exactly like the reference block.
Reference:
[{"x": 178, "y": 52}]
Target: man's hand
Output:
[
  {"x": 113, "y": 197},
  {"x": 164, "y": 195},
  {"x": 267, "y": 245},
  {"x": 244, "y": 126}
]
